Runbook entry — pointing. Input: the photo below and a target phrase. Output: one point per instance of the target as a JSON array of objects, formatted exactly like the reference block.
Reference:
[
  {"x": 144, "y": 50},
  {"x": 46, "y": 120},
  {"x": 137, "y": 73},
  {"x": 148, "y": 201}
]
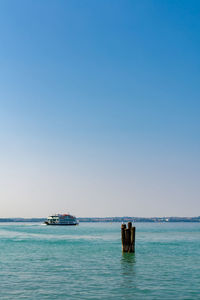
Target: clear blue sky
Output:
[{"x": 99, "y": 107}]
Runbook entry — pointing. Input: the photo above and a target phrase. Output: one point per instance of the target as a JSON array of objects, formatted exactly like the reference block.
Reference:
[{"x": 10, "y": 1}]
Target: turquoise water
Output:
[{"x": 85, "y": 262}]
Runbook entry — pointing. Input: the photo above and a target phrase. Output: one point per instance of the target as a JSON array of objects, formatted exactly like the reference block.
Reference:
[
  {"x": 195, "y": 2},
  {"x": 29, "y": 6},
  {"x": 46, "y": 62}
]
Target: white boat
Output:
[{"x": 61, "y": 219}]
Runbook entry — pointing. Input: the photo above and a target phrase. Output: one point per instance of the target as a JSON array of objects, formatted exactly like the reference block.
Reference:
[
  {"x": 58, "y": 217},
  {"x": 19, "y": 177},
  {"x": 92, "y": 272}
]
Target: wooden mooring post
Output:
[{"x": 128, "y": 238}]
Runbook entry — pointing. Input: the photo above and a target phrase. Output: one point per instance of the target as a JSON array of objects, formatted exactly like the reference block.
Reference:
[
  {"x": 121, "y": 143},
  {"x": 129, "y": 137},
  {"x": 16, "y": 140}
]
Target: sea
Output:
[{"x": 86, "y": 262}]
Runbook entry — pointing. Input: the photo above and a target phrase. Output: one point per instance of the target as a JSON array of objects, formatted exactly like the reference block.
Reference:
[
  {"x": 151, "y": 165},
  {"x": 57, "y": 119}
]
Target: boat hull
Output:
[{"x": 60, "y": 224}]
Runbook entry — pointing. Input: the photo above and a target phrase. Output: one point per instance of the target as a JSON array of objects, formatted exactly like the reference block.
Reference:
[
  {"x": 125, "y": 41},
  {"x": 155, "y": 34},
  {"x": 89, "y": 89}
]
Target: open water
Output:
[{"x": 85, "y": 262}]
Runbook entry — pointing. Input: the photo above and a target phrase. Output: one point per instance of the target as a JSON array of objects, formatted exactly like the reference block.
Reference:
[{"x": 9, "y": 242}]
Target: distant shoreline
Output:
[{"x": 113, "y": 219}]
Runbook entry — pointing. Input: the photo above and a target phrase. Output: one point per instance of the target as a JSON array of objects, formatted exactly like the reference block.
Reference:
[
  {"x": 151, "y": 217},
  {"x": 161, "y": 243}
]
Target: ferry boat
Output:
[{"x": 61, "y": 219}]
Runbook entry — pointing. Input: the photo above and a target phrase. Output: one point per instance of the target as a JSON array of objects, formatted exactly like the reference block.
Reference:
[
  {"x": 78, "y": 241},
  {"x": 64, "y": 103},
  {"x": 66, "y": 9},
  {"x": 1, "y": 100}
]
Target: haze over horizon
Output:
[{"x": 99, "y": 108}]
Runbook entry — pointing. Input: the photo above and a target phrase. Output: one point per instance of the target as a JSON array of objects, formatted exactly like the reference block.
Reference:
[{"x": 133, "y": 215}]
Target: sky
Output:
[{"x": 99, "y": 108}]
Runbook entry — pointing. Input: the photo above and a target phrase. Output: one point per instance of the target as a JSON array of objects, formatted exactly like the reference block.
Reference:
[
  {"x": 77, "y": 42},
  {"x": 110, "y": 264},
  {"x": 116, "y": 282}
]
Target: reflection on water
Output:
[{"x": 128, "y": 270}]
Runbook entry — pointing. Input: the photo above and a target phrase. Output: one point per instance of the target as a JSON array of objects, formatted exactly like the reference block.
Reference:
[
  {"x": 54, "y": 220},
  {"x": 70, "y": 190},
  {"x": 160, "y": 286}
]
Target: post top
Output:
[{"x": 129, "y": 225}]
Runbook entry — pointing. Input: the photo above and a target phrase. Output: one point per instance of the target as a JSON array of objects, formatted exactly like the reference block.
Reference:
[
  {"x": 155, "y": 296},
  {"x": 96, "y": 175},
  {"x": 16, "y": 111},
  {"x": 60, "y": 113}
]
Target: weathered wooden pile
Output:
[{"x": 128, "y": 238}]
